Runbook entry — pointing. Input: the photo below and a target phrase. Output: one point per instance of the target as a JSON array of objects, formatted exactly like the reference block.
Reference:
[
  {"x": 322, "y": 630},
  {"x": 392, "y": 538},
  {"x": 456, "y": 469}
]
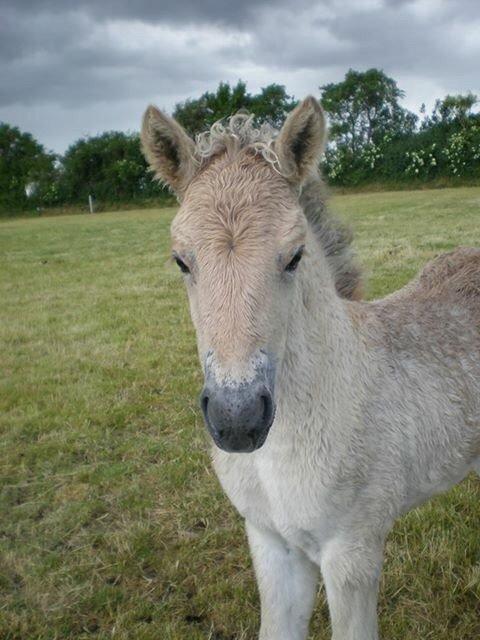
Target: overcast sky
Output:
[{"x": 74, "y": 68}]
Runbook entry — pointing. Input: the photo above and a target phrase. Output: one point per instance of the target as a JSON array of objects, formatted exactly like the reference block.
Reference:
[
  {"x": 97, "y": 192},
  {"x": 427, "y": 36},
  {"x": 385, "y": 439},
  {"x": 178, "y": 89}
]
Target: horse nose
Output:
[{"x": 238, "y": 417}]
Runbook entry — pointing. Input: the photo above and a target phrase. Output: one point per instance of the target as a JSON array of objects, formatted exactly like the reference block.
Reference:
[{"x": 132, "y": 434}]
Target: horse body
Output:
[
  {"x": 391, "y": 420},
  {"x": 351, "y": 412}
]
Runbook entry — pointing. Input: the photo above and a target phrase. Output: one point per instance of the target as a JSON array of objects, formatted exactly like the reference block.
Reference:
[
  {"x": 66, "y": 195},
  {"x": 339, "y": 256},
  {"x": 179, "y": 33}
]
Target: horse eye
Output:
[
  {"x": 293, "y": 264},
  {"x": 181, "y": 264}
]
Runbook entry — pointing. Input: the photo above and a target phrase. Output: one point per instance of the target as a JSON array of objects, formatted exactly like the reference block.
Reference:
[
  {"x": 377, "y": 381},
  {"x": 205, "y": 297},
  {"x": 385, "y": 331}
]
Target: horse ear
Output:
[
  {"x": 168, "y": 150},
  {"x": 301, "y": 140}
]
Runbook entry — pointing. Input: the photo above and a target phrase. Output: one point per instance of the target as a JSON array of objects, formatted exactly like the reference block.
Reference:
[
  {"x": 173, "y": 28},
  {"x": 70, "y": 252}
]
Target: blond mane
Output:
[{"x": 236, "y": 133}]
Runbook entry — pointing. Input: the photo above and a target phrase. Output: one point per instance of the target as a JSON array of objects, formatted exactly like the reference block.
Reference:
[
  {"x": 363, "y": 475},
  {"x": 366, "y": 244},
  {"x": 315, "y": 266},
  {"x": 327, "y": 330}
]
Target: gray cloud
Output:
[{"x": 82, "y": 61}]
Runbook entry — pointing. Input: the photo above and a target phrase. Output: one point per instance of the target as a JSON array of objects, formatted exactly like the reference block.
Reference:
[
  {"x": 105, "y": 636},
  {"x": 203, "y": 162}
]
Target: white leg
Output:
[
  {"x": 351, "y": 571},
  {"x": 287, "y": 582}
]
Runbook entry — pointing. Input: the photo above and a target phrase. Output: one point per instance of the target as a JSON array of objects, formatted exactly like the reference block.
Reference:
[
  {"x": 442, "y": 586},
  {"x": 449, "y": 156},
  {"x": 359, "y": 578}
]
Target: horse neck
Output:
[{"x": 318, "y": 381}]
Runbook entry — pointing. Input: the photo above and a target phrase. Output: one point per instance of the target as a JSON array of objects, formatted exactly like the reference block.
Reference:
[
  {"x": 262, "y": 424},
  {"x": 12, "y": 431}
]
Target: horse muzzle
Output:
[{"x": 239, "y": 414}]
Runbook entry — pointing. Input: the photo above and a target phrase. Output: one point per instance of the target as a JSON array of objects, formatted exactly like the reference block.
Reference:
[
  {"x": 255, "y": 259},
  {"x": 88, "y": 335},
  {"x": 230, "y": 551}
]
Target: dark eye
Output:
[
  {"x": 181, "y": 264},
  {"x": 293, "y": 264}
]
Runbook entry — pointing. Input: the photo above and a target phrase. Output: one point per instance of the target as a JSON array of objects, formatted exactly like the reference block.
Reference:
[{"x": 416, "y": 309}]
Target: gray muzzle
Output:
[{"x": 239, "y": 415}]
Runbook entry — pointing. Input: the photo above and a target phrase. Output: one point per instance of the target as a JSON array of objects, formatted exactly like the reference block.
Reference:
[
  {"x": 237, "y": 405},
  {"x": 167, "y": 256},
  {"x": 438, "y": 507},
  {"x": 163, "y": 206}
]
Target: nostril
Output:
[
  {"x": 267, "y": 408},
  {"x": 204, "y": 404}
]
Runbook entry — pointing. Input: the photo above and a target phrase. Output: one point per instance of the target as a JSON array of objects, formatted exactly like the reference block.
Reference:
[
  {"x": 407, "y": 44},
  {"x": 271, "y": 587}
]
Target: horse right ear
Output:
[
  {"x": 301, "y": 140},
  {"x": 168, "y": 150}
]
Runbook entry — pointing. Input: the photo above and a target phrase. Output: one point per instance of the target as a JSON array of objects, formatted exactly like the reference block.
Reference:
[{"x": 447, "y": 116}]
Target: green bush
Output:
[
  {"x": 28, "y": 173},
  {"x": 442, "y": 150},
  {"x": 110, "y": 167},
  {"x": 374, "y": 140}
]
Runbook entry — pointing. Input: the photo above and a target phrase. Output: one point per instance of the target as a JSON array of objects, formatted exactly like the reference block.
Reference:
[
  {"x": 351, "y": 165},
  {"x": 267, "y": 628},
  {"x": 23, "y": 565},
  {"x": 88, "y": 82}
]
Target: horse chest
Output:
[{"x": 272, "y": 494}]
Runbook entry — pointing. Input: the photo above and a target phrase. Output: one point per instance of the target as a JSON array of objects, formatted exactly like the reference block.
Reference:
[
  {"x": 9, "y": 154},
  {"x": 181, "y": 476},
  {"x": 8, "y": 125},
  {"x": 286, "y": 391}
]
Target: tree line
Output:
[{"x": 372, "y": 139}]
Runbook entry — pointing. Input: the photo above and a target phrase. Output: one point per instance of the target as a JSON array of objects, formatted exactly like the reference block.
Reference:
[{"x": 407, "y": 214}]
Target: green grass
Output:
[{"x": 112, "y": 524}]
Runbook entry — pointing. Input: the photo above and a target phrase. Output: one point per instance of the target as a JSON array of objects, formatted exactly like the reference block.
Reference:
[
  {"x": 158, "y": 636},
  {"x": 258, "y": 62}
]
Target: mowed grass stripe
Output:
[{"x": 112, "y": 523}]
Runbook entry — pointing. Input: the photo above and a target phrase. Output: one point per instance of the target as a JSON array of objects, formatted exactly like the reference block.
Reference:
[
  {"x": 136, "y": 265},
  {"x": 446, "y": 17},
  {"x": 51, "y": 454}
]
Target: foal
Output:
[{"x": 330, "y": 416}]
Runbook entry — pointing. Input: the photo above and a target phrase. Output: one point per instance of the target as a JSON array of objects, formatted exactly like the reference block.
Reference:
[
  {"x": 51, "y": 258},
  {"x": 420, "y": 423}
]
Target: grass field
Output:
[{"x": 112, "y": 524}]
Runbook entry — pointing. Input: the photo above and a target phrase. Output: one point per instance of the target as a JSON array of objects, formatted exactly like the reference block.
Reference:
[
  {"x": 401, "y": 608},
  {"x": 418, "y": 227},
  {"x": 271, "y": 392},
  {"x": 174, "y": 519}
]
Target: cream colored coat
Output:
[{"x": 378, "y": 404}]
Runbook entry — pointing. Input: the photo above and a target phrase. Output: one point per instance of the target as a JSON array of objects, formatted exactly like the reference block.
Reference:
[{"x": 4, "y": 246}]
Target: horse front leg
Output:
[
  {"x": 351, "y": 570},
  {"x": 287, "y": 582}
]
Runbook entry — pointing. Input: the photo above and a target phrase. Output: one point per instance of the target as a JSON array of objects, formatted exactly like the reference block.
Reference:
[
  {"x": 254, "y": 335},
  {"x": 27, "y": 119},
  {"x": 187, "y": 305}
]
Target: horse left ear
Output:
[
  {"x": 168, "y": 150},
  {"x": 301, "y": 140}
]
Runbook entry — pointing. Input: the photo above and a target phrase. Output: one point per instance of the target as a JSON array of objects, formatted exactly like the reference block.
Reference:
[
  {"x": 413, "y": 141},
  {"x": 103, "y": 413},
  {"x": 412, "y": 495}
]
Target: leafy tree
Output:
[
  {"x": 111, "y": 167},
  {"x": 271, "y": 104},
  {"x": 363, "y": 108},
  {"x": 24, "y": 166},
  {"x": 452, "y": 109}
]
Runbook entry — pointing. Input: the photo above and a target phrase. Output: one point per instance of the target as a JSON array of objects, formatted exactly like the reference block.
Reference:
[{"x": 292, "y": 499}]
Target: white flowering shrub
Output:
[
  {"x": 424, "y": 155},
  {"x": 336, "y": 164},
  {"x": 371, "y": 155},
  {"x": 462, "y": 151},
  {"x": 421, "y": 163}
]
